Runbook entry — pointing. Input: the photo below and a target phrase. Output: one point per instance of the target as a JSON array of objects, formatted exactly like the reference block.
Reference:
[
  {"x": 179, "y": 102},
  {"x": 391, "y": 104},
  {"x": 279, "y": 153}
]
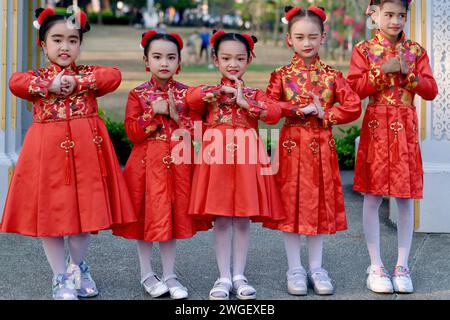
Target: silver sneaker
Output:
[
  {"x": 297, "y": 282},
  {"x": 85, "y": 285},
  {"x": 321, "y": 282},
  {"x": 63, "y": 287},
  {"x": 402, "y": 280}
]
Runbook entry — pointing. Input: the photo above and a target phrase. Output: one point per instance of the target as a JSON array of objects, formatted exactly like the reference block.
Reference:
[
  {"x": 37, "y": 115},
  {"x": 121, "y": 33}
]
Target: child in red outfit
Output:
[
  {"x": 309, "y": 178},
  {"x": 156, "y": 119},
  {"x": 67, "y": 181},
  {"x": 390, "y": 70}
]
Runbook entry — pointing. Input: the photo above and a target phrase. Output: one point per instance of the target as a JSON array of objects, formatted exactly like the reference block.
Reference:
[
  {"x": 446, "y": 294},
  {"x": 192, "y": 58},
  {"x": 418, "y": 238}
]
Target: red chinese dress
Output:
[
  {"x": 308, "y": 176},
  {"x": 67, "y": 179},
  {"x": 233, "y": 176},
  {"x": 159, "y": 184},
  {"x": 389, "y": 162}
]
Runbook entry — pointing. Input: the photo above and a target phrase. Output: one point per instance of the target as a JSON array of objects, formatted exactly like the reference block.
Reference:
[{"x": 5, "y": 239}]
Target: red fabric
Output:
[
  {"x": 389, "y": 162},
  {"x": 40, "y": 203},
  {"x": 160, "y": 192},
  {"x": 291, "y": 13},
  {"x": 308, "y": 175},
  {"x": 319, "y": 12},
  {"x": 231, "y": 189}
]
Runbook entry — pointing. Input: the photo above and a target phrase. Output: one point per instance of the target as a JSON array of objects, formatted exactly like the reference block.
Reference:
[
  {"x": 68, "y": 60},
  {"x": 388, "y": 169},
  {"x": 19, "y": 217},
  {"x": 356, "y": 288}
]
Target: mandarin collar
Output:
[
  {"x": 385, "y": 41},
  {"x": 299, "y": 63},
  {"x": 155, "y": 83}
]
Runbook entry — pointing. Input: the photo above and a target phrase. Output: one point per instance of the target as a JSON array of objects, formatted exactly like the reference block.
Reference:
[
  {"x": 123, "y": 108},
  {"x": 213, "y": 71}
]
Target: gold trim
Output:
[
  {"x": 4, "y": 15},
  {"x": 30, "y": 42},
  {"x": 10, "y": 174},
  {"x": 15, "y": 39},
  {"x": 416, "y": 215},
  {"x": 412, "y": 22},
  {"x": 423, "y": 110}
]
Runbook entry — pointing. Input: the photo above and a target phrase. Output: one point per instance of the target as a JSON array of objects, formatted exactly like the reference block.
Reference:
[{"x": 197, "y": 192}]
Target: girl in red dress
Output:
[
  {"x": 231, "y": 182},
  {"x": 67, "y": 181},
  {"x": 159, "y": 182},
  {"x": 308, "y": 177},
  {"x": 390, "y": 70}
]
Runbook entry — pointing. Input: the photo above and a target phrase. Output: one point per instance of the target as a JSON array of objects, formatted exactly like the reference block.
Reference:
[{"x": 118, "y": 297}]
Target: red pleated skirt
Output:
[
  {"x": 40, "y": 203},
  {"x": 233, "y": 177},
  {"x": 160, "y": 194}
]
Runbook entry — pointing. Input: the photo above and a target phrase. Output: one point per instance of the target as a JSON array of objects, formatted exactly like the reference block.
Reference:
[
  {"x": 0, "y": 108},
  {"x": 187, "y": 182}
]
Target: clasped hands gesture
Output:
[
  {"x": 63, "y": 85},
  {"x": 237, "y": 94},
  {"x": 166, "y": 107},
  {"x": 397, "y": 64}
]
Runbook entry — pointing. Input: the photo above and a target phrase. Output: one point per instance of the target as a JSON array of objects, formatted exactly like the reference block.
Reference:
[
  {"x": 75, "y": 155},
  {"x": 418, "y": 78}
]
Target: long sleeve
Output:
[
  {"x": 196, "y": 98},
  {"x": 275, "y": 91},
  {"x": 101, "y": 80},
  {"x": 349, "y": 108},
  {"x": 29, "y": 85},
  {"x": 420, "y": 80},
  {"x": 139, "y": 123},
  {"x": 264, "y": 108},
  {"x": 365, "y": 79}
]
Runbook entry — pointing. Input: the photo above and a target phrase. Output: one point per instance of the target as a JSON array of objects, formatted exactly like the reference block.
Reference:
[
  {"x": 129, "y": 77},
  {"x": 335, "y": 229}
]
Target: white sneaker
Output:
[
  {"x": 321, "y": 282},
  {"x": 378, "y": 280},
  {"x": 157, "y": 289},
  {"x": 297, "y": 282},
  {"x": 402, "y": 280}
]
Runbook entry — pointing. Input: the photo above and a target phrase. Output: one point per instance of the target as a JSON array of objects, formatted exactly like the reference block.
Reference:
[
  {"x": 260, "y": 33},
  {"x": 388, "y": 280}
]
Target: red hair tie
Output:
[
  {"x": 81, "y": 18},
  {"x": 215, "y": 36},
  {"x": 291, "y": 13},
  {"x": 146, "y": 37},
  {"x": 178, "y": 38},
  {"x": 44, "y": 15},
  {"x": 320, "y": 12},
  {"x": 251, "y": 43}
]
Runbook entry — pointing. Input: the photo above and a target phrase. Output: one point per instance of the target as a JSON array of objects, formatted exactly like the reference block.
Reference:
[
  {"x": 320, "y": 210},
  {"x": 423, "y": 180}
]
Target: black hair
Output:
[
  {"x": 161, "y": 36},
  {"x": 405, "y": 3},
  {"x": 52, "y": 20},
  {"x": 233, "y": 37},
  {"x": 305, "y": 13}
]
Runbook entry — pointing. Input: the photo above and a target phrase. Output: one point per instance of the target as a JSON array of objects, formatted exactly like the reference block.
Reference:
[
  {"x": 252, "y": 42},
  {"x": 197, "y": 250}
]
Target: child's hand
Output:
[
  {"x": 160, "y": 106},
  {"x": 318, "y": 105},
  {"x": 68, "y": 85},
  {"x": 404, "y": 68},
  {"x": 55, "y": 86},
  {"x": 391, "y": 66},
  {"x": 309, "y": 109},
  {"x": 172, "y": 108},
  {"x": 229, "y": 90},
  {"x": 240, "y": 100}
]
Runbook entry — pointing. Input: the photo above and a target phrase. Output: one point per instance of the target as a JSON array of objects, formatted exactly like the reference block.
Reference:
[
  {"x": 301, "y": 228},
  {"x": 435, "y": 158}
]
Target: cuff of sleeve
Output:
[
  {"x": 147, "y": 121},
  {"x": 256, "y": 109},
  {"x": 215, "y": 90},
  {"x": 39, "y": 86},
  {"x": 86, "y": 82},
  {"x": 329, "y": 120},
  {"x": 410, "y": 80}
]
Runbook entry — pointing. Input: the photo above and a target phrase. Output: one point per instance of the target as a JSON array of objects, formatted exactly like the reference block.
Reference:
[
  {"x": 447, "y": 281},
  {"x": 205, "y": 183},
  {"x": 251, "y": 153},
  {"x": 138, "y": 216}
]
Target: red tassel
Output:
[
  {"x": 371, "y": 152},
  {"x": 101, "y": 158},
  {"x": 67, "y": 171},
  {"x": 395, "y": 151}
]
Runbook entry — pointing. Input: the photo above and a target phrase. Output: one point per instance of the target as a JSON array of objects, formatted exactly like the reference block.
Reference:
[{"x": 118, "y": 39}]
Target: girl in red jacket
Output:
[
  {"x": 318, "y": 98},
  {"x": 67, "y": 181},
  {"x": 231, "y": 182},
  {"x": 158, "y": 122},
  {"x": 390, "y": 70}
]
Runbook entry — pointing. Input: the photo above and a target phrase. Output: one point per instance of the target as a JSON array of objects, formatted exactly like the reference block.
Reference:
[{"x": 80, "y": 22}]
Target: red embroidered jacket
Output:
[
  {"x": 293, "y": 82},
  {"x": 92, "y": 82},
  {"x": 142, "y": 123}
]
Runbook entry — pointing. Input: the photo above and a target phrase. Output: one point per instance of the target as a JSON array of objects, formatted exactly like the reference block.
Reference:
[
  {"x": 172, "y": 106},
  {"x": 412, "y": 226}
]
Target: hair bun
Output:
[
  {"x": 288, "y": 8},
  {"x": 255, "y": 39},
  {"x": 38, "y": 12}
]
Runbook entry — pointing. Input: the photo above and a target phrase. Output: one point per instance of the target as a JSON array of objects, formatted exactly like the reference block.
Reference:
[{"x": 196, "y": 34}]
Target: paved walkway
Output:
[{"x": 25, "y": 273}]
